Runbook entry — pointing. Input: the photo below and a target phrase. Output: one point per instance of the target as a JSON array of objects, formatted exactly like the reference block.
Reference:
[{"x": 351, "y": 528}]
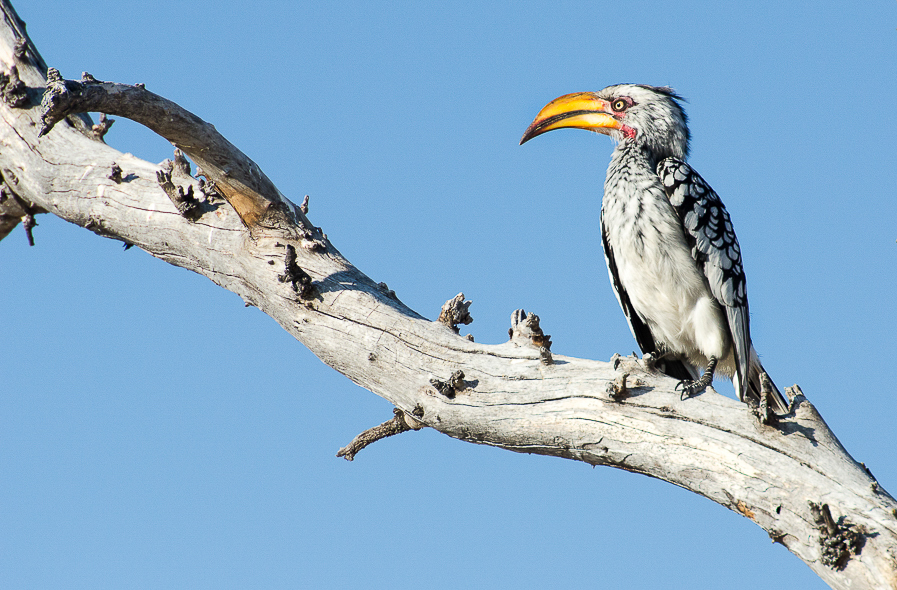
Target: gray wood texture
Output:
[{"x": 792, "y": 477}]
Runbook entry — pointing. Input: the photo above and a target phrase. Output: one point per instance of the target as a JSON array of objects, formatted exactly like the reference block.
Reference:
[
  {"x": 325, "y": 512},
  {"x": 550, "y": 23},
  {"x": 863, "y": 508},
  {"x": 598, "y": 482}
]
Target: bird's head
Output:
[{"x": 646, "y": 115}]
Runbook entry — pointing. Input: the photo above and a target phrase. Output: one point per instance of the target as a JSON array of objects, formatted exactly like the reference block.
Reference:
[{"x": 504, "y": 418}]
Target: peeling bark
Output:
[{"x": 791, "y": 476}]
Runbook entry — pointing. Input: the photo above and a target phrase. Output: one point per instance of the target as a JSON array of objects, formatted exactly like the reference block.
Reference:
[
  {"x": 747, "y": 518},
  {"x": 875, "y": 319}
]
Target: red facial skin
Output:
[{"x": 618, "y": 115}]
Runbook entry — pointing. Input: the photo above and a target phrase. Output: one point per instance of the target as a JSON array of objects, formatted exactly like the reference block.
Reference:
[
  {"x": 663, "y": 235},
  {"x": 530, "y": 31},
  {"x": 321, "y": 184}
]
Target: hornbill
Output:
[{"x": 671, "y": 252}]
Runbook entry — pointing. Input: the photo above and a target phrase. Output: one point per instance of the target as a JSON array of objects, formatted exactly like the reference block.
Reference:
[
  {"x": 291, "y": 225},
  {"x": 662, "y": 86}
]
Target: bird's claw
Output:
[{"x": 690, "y": 388}]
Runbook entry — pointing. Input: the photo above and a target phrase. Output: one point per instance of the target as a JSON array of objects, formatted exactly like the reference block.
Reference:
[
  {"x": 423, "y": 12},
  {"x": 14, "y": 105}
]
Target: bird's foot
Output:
[{"x": 692, "y": 388}]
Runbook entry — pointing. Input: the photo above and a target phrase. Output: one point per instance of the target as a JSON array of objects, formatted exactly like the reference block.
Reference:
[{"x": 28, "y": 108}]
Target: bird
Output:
[{"x": 671, "y": 251}]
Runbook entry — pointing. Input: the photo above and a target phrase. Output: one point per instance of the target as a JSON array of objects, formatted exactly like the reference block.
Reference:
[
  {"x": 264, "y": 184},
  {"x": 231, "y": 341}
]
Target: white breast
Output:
[{"x": 656, "y": 267}]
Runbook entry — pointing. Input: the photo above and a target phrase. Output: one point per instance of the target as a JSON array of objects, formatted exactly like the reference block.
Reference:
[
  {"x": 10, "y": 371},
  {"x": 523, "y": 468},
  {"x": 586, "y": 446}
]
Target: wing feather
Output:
[{"x": 709, "y": 231}]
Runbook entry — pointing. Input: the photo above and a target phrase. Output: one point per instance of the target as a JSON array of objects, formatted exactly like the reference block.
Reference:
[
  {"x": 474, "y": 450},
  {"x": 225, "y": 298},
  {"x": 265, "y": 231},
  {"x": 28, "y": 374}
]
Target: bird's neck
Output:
[
  {"x": 631, "y": 162},
  {"x": 650, "y": 152},
  {"x": 636, "y": 216}
]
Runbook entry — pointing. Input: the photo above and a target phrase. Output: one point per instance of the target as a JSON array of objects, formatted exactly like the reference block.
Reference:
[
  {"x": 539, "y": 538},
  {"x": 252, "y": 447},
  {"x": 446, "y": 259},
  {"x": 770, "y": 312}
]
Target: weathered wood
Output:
[
  {"x": 792, "y": 477},
  {"x": 400, "y": 422}
]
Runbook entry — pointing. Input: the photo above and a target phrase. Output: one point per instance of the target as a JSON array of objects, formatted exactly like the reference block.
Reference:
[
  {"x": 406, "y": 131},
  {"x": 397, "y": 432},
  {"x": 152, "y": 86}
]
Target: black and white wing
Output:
[
  {"x": 714, "y": 247},
  {"x": 672, "y": 367}
]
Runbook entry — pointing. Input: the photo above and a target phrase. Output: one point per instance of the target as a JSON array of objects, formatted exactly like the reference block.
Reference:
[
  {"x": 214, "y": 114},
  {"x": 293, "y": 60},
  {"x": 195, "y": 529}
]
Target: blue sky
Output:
[{"x": 157, "y": 434}]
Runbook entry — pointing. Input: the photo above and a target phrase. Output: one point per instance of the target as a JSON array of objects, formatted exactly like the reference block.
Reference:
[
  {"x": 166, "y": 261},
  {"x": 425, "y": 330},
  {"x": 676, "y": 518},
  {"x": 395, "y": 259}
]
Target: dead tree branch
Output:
[
  {"x": 401, "y": 422},
  {"x": 791, "y": 477}
]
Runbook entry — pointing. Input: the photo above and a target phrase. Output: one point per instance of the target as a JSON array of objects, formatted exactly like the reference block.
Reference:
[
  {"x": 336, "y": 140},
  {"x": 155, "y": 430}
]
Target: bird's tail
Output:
[
  {"x": 679, "y": 369},
  {"x": 775, "y": 399}
]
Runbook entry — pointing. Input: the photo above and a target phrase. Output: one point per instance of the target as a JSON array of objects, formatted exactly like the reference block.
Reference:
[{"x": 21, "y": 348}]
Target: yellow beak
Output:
[{"x": 581, "y": 110}]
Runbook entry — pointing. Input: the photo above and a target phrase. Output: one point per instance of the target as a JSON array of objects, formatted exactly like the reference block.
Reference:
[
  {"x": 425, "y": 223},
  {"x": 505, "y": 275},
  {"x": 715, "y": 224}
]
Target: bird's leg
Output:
[{"x": 690, "y": 388}]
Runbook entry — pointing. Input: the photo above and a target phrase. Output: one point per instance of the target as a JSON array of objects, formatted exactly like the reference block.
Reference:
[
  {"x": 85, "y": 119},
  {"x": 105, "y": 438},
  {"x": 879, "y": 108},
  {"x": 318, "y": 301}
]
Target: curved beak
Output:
[{"x": 580, "y": 110}]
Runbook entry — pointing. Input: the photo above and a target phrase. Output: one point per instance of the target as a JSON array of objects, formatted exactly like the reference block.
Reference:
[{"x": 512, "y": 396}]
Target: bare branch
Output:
[
  {"x": 401, "y": 422},
  {"x": 517, "y": 395},
  {"x": 240, "y": 180}
]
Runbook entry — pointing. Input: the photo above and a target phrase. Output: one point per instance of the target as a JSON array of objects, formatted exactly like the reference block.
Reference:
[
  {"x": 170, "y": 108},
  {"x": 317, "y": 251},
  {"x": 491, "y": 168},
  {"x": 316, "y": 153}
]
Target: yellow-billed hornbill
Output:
[{"x": 670, "y": 248}]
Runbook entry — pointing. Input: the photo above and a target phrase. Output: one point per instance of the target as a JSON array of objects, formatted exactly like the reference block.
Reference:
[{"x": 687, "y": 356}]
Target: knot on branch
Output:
[
  {"x": 12, "y": 89},
  {"x": 649, "y": 360},
  {"x": 525, "y": 331},
  {"x": 455, "y": 311},
  {"x": 387, "y": 291},
  {"x": 312, "y": 244},
  {"x": 20, "y": 49},
  {"x": 64, "y": 97},
  {"x": 313, "y": 238},
  {"x": 207, "y": 186},
  {"x": 763, "y": 411},
  {"x": 621, "y": 387},
  {"x": 59, "y": 98},
  {"x": 100, "y": 129},
  {"x": 97, "y": 225},
  {"x": 617, "y": 388},
  {"x": 186, "y": 204},
  {"x": 293, "y": 274},
  {"x": 839, "y": 540},
  {"x": 795, "y": 397},
  {"x": 450, "y": 387},
  {"x": 115, "y": 174},
  {"x": 181, "y": 165}
]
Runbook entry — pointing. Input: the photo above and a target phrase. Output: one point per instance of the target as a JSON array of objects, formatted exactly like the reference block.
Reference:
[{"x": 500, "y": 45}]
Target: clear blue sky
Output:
[{"x": 157, "y": 434}]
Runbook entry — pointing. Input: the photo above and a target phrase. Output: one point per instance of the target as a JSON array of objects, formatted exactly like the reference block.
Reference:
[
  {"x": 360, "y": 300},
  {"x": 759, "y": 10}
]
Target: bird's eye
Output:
[{"x": 619, "y": 105}]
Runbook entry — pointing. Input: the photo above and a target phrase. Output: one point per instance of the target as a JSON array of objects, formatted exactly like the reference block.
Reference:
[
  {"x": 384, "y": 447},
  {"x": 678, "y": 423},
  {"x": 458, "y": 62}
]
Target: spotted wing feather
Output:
[{"x": 708, "y": 230}]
